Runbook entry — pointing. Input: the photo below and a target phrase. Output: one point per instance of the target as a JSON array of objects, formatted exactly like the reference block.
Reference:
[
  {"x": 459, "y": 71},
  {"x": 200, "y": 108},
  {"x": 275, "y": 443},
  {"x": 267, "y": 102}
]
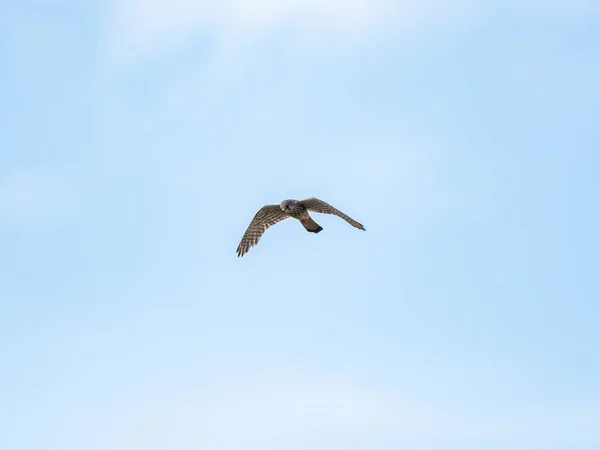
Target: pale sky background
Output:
[{"x": 139, "y": 137}]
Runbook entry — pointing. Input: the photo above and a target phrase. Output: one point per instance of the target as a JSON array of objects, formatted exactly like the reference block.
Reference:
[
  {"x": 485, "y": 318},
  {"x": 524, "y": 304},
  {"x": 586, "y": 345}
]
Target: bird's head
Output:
[{"x": 286, "y": 205}]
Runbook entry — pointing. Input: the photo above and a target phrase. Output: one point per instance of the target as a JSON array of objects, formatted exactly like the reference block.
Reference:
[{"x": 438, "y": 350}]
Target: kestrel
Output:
[{"x": 269, "y": 215}]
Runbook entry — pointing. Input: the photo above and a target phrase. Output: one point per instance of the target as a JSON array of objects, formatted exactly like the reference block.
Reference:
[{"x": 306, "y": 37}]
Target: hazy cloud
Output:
[
  {"x": 141, "y": 27},
  {"x": 296, "y": 412},
  {"x": 35, "y": 194}
]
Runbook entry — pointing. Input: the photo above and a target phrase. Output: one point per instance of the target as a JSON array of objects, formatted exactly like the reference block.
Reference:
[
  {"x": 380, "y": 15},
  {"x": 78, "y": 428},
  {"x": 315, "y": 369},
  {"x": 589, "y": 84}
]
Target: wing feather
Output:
[
  {"x": 266, "y": 217},
  {"x": 319, "y": 206}
]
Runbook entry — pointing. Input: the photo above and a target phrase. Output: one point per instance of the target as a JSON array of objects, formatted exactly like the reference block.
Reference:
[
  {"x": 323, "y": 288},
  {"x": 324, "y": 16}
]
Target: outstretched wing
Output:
[
  {"x": 316, "y": 205},
  {"x": 265, "y": 217}
]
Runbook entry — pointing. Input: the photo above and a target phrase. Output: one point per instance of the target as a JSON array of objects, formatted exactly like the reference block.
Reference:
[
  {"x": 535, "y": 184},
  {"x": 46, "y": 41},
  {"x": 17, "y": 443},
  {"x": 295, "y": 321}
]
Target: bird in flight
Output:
[{"x": 269, "y": 215}]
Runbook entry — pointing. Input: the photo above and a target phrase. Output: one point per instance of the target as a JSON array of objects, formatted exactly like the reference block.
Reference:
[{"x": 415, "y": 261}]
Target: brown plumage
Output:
[{"x": 269, "y": 215}]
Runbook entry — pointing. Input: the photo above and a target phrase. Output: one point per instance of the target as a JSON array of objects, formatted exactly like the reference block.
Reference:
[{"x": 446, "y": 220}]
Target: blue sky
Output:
[{"x": 140, "y": 137}]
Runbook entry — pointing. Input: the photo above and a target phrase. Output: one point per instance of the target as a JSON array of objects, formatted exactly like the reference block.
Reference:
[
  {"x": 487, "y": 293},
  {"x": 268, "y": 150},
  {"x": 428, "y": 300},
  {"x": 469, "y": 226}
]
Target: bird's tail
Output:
[{"x": 311, "y": 225}]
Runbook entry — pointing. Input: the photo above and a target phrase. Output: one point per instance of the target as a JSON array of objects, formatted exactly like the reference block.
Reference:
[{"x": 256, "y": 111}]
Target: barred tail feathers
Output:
[{"x": 310, "y": 225}]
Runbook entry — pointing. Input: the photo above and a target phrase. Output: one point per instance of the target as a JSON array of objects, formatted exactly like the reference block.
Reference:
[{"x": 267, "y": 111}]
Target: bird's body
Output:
[
  {"x": 298, "y": 209},
  {"x": 295, "y": 209}
]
